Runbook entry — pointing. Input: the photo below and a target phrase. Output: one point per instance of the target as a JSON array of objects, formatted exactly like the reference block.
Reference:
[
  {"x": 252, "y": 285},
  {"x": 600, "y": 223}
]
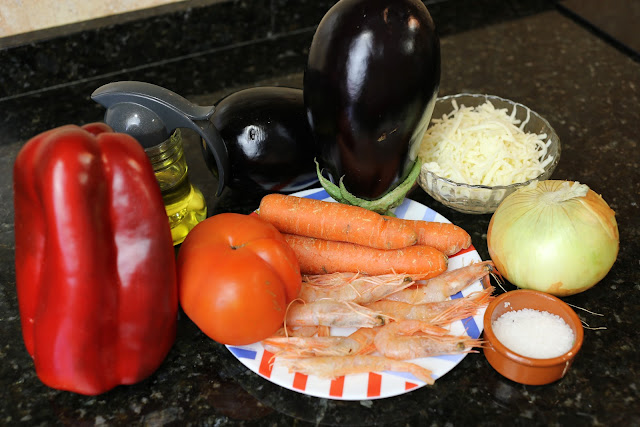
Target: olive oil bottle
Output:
[{"x": 184, "y": 203}]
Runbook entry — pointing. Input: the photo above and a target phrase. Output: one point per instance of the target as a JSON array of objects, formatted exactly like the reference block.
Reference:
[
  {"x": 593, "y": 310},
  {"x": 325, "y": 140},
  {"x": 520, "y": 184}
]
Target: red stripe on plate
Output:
[
  {"x": 409, "y": 386},
  {"x": 337, "y": 387},
  {"x": 374, "y": 384},
  {"x": 299, "y": 381},
  {"x": 265, "y": 364},
  {"x": 464, "y": 251}
]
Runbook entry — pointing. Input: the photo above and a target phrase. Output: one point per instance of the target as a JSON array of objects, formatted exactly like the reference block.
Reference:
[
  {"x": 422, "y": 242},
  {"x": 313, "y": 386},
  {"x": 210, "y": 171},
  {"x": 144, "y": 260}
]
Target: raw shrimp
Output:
[
  {"x": 397, "y": 341},
  {"x": 359, "y": 342},
  {"x": 328, "y": 312},
  {"x": 355, "y": 287},
  {"x": 324, "y": 331},
  {"x": 441, "y": 287},
  {"x": 337, "y": 366},
  {"x": 299, "y": 331},
  {"x": 437, "y": 313}
]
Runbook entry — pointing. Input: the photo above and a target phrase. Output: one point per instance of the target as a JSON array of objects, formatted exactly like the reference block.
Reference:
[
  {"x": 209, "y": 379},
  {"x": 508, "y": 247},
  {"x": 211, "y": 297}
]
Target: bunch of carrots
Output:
[{"x": 333, "y": 237}]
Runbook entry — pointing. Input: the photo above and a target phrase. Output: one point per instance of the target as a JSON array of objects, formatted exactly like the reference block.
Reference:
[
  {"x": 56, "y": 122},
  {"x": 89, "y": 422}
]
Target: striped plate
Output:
[{"x": 372, "y": 385}]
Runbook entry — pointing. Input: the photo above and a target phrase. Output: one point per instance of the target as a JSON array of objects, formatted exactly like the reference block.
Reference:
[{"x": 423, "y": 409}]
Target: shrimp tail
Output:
[{"x": 294, "y": 347}]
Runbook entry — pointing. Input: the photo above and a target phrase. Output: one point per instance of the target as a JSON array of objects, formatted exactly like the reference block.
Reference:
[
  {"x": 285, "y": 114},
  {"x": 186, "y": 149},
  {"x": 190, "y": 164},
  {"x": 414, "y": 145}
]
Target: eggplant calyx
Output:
[
  {"x": 329, "y": 186},
  {"x": 384, "y": 205}
]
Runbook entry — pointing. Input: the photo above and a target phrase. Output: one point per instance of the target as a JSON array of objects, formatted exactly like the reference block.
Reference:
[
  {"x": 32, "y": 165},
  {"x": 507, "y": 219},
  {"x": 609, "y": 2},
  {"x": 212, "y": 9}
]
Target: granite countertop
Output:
[{"x": 528, "y": 51}]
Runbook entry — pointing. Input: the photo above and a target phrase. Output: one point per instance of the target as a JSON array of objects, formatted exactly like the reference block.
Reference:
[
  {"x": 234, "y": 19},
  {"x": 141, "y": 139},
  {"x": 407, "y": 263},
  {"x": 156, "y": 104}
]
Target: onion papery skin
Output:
[{"x": 560, "y": 247}]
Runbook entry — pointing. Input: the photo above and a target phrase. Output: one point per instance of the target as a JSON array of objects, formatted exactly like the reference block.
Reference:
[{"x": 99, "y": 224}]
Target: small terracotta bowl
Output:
[{"x": 522, "y": 369}]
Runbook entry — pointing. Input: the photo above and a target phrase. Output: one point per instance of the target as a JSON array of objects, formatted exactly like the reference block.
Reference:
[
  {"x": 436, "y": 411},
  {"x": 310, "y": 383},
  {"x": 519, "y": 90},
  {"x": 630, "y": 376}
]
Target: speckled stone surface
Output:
[
  {"x": 617, "y": 23},
  {"x": 587, "y": 89}
]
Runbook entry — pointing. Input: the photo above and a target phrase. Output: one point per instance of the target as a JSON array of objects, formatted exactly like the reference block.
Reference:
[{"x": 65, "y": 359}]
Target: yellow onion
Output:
[{"x": 558, "y": 237}]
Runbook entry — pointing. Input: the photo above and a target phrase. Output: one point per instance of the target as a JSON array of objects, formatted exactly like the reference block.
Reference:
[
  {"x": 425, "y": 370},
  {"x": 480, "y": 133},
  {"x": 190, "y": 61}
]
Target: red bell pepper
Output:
[{"x": 95, "y": 263}]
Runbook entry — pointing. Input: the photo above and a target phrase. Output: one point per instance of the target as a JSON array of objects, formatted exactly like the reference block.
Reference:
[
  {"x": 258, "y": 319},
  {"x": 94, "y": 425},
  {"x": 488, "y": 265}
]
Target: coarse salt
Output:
[{"x": 533, "y": 333}]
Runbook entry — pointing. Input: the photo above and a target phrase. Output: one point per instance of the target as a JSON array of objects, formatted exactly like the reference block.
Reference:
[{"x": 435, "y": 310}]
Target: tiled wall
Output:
[{"x": 23, "y": 16}]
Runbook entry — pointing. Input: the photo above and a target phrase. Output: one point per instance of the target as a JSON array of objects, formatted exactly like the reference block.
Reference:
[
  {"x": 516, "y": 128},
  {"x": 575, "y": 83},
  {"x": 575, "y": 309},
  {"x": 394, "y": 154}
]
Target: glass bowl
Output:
[
  {"x": 523, "y": 369},
  {"x": 482, "y": 199}
]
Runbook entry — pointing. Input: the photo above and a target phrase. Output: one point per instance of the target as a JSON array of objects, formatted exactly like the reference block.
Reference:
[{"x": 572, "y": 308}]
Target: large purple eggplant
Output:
[
  {"x": 268, "y": 138},
  {"x": 371, "y": 80}
]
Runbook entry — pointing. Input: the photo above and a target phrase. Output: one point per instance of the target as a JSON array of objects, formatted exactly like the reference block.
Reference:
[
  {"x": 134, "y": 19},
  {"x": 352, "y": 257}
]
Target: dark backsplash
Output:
[
  {"x": 223, "y": 31},
  {"x": 203, "y": 49}
]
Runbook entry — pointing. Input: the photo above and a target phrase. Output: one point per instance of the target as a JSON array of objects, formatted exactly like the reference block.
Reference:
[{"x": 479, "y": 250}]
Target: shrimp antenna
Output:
[
  {"x": 498, "y": 278},
  {"x": 597, "y": 328},
  {"x": 584, "y": 309}
]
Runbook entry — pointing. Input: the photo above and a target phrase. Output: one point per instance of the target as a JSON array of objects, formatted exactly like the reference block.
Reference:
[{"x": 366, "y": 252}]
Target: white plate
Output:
[{"x": 372, "y": 385}]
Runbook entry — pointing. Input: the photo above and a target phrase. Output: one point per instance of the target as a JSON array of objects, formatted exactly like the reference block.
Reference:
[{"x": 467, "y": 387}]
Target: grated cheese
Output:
[
  {"x": 533, "y": 333},
  {"x": 483, "y": 146}
]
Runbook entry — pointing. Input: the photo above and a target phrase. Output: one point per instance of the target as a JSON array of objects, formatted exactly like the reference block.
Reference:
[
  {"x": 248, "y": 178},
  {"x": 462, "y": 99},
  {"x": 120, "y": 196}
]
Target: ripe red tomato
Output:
[{"x": 236, "y": 275}]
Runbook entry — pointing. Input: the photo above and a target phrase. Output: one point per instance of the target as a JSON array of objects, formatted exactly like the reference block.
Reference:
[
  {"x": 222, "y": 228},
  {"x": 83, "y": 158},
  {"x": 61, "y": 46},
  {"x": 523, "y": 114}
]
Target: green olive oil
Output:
[{"x": 184, "y": 203}]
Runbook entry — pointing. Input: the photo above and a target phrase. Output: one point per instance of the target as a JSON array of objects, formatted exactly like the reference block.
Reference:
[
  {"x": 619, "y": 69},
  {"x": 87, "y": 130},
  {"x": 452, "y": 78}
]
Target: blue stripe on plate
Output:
[
  {"x": 401, "y": 210},
  {"x": 456, "y": 296},
  {"x": 469, "y": 324},
  {"x": 429, "y": 215},
  {"x": 454, "y": 358},
  {"x": 243, "y": 353},
  {"x": 471, "y": 327},
  {"x": 320, "y": 194}
]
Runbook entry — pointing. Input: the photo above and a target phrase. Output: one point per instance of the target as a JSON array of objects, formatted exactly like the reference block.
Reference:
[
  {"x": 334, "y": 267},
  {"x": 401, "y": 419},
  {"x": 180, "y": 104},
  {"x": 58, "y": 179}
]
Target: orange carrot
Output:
[
  {"x": 445, "y": 237},
  {"x": 317, "y": 256},
  {"x": 334, "y": 221}
]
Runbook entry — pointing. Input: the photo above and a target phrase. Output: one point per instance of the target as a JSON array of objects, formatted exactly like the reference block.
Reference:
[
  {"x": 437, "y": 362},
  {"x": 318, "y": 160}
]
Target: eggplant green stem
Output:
[{"x": 384, "y": 205}]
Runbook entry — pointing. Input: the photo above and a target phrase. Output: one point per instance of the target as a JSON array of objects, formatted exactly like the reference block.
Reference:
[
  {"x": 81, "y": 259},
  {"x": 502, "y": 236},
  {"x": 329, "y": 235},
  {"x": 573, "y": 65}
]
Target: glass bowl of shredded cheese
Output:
[
  {"x": 531, "y": 337},
  {"x": 478, "y": 149}
]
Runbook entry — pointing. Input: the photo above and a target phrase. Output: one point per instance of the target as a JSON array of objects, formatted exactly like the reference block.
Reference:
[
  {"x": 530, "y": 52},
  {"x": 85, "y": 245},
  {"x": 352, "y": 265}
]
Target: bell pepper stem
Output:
[{"x": 383, "y": 205}]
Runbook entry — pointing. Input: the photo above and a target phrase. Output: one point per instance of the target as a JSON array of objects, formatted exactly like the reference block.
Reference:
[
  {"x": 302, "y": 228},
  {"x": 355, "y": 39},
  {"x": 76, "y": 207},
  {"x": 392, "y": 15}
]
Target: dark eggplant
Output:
[
  {"x": 268, "y": 139},
  {"x": 371, "y": 81}
]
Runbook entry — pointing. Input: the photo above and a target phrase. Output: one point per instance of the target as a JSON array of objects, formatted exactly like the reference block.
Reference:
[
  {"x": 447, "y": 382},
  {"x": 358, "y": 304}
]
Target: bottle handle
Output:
[{"x": 151, "y": 113}]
